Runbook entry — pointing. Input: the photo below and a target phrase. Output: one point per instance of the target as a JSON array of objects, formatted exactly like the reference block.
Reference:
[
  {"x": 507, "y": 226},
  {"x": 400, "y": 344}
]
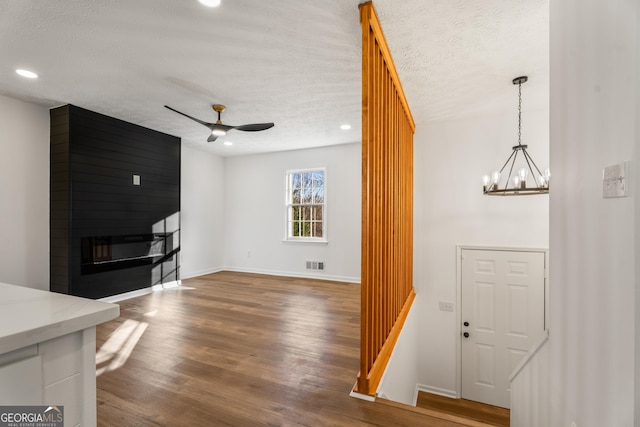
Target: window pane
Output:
[
  {"x": 318, "y": 195},
  {"x": 318, "y": 187},
  {"x": 295, "y": 197},
  {"x": 295, "y": 213},
  {"x": 317, "y": 213},
  {"x": 317, "y": 229},
  {"x": 295, "y": 229},
  {"x": 305, "y": 229},
  {"x": 318, "y": 179},
  {"x": 306, "y": 213},
  {"x": 307, "y": 195},
  {"x": 295, "y": 180},
  {"x": 306, "y": 179}
]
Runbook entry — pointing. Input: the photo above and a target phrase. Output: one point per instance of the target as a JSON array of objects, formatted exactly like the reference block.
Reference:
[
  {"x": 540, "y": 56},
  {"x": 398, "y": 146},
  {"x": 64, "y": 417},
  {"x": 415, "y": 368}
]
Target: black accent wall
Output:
[{"x": 93, "y": 162}]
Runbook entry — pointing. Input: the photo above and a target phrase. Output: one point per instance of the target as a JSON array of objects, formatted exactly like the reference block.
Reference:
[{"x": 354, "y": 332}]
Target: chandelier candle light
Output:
[{"x": 527, "y": 179}]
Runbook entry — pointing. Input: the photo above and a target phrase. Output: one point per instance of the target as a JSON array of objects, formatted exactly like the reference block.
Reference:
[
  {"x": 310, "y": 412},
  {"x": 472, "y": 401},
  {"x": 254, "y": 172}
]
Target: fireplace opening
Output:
[{"x": 105, "y": 253}]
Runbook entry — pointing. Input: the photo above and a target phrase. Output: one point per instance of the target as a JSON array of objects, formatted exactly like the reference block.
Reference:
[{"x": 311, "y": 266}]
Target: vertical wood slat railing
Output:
[{"x": 387, "y": 205}]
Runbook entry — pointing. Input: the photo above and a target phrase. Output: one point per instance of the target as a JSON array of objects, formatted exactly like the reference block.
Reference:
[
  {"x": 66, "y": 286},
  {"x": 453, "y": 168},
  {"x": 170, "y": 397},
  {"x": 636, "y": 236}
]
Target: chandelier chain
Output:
[{"x": 519, "y": 113}]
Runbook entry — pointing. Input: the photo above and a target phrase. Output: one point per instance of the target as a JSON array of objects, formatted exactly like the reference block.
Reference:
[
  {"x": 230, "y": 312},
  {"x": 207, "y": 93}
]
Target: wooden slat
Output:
[
  {"x": 387, "y": 180},
  {"x": 368, "y": 15}
]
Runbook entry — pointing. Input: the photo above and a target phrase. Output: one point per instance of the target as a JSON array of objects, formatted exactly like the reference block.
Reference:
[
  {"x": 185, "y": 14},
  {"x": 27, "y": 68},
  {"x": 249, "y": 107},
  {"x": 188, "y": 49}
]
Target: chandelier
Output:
[{"x": 526, "y": 178}]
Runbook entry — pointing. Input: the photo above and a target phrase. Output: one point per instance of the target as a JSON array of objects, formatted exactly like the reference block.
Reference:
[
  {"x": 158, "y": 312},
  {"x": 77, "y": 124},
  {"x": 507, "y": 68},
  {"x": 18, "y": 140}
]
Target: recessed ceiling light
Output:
[
  {"x": 228, "y": 143},
  {"x": 26, "y": 73},
  {"x": 210, "y": 3},
  {"x": 345, "y": 127}
]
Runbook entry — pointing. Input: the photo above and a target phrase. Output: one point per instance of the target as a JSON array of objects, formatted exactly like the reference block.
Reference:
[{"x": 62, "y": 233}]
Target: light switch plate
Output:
[
  {"x": 614, "y": 181},
  {"x": 136, "y": 179},
  {"x": 446, "y": 306}
]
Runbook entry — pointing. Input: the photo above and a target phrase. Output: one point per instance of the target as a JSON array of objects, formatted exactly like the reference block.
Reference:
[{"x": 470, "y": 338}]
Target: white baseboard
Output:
[
  {"x": 145, "y": 291},
  {"x": 436, "y": 390},
  {"x": 415, "y": 395},
  {"x": 294, "y": 274},
  {"x": 190, "y": 274},
  {"x": 140, "y": 292}
]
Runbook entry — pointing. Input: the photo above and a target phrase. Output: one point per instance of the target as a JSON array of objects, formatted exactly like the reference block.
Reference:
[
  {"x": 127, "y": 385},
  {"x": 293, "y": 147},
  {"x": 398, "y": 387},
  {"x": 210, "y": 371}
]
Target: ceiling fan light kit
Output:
[
  {"x": 218, "y": 128},
  {"x": 26, "y": 73},
  {"x": 210, "y": 3},
  {"x": 524, "y": 180},
  {"x": 218, "y": 131}
]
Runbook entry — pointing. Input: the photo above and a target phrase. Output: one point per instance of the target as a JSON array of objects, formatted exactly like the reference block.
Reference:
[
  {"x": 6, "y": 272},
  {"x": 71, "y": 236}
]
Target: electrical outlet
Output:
[{"x": 446, "y": 306}]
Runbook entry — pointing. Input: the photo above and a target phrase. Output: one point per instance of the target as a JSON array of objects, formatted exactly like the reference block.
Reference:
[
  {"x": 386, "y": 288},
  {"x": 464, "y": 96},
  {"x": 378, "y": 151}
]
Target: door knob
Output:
[
  {"x": 466, "y": 323},
  {"x": 466, "y": 334}
]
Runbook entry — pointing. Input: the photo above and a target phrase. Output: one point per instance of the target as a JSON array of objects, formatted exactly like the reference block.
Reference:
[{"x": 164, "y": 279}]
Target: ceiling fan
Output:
[{"x": 219, "y": 129}]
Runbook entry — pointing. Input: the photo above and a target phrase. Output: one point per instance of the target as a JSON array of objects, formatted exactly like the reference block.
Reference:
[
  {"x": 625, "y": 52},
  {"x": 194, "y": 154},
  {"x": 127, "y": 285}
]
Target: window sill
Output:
[{"x": 303, "y": 240}]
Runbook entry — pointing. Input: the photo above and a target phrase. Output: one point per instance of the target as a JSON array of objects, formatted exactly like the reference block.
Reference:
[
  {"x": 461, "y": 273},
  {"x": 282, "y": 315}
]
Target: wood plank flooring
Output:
[
  {"x": 236, "y": 349},
  {"x": 469, "y": 409}
]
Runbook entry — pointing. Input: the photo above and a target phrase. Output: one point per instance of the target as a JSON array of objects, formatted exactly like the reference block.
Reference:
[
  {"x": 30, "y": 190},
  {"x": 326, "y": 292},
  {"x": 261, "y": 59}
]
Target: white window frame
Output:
[{"x": 288, "y": 205}]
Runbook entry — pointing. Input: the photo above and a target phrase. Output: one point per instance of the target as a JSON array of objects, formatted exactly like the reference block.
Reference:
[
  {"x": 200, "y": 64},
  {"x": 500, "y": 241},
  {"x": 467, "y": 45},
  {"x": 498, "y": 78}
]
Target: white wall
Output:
[
  {"x": 202, "y": 209},
  {"x": 255, "y": 213},
  {"x": 529, "y": 391},
  {"x": 450, "y": 209},
  {"x": 399, "y": 380},
  {"x": 594, "y": 123},
  {"x": 636, "y": 186},
  {"x": 24, "y": 194}
]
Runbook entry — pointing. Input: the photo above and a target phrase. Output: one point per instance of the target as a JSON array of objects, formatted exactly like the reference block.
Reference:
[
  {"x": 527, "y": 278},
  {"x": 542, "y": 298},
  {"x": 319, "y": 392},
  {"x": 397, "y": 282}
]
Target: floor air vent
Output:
[{"x": 315, "y": 265}]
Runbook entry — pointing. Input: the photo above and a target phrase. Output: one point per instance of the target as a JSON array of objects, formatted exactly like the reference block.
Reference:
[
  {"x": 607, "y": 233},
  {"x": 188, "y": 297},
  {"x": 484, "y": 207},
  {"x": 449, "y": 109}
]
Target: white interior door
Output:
[{"x": 502, "y": 313}]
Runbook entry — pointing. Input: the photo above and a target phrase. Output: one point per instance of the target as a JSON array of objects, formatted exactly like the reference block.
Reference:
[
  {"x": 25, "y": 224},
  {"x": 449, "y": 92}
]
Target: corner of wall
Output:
[{"x": 24, "y": 216}]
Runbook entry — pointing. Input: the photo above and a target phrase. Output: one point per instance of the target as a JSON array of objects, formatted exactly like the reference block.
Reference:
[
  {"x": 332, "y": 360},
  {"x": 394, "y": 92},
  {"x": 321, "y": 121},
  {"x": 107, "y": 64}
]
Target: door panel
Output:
[{"x": 503, "y": 303}]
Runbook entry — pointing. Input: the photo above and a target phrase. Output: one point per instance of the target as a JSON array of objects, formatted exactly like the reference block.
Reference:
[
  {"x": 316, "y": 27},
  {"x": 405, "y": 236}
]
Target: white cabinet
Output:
[
  {"x": 49, "y": 357},
  {"x": 25, "y": 378},
  {"x": 59, "y": 372}
]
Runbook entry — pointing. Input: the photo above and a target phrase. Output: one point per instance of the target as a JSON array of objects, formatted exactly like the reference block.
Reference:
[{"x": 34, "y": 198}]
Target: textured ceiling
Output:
[
  {"x": 296, "y": 63},
  {"x": 457, "y": 58}
]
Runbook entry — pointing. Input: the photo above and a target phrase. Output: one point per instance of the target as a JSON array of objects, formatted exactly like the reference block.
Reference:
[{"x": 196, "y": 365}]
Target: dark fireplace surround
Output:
[{"x": 115, "y": 205}]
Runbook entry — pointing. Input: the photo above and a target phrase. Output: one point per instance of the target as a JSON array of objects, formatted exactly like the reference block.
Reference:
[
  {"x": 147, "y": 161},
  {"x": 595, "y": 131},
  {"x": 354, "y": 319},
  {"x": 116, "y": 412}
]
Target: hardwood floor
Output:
[
  {"x": 488, "y": 414},
  {"x": 241, "y": 350}
]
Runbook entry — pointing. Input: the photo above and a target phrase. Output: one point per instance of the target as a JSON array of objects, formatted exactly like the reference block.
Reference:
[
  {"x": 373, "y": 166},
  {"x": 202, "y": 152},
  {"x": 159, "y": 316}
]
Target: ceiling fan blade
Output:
[
  {"x": 212, "y": 138},
  {"x": 207, "y": 124},
  {"x": 254, "y": 127}
]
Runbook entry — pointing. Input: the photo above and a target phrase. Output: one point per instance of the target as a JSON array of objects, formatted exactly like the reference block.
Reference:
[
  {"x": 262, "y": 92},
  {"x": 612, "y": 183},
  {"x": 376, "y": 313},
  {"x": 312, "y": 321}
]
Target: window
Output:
[{"x": 306, "y": 205}]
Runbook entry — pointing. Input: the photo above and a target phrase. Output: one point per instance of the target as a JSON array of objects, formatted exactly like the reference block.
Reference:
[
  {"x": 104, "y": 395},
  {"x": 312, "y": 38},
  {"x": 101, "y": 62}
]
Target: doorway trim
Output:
[{"x": 459, "y": 249}]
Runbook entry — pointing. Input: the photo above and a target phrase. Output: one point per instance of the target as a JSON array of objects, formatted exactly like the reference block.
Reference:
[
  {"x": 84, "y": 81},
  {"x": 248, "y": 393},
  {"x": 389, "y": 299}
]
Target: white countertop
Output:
[{"x": 29, "y": 316}]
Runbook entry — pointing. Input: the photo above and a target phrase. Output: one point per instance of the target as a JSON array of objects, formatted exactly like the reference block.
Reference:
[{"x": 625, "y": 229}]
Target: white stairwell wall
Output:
[
  {"x": 587, "y": 373},
  {"x": 528, "y": 389},
  {"x": 399, "y": 380}
]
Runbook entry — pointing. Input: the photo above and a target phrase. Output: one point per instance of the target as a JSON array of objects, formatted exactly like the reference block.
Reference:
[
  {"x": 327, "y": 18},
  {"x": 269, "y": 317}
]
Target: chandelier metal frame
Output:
[{"x": 519, "y": 188}]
